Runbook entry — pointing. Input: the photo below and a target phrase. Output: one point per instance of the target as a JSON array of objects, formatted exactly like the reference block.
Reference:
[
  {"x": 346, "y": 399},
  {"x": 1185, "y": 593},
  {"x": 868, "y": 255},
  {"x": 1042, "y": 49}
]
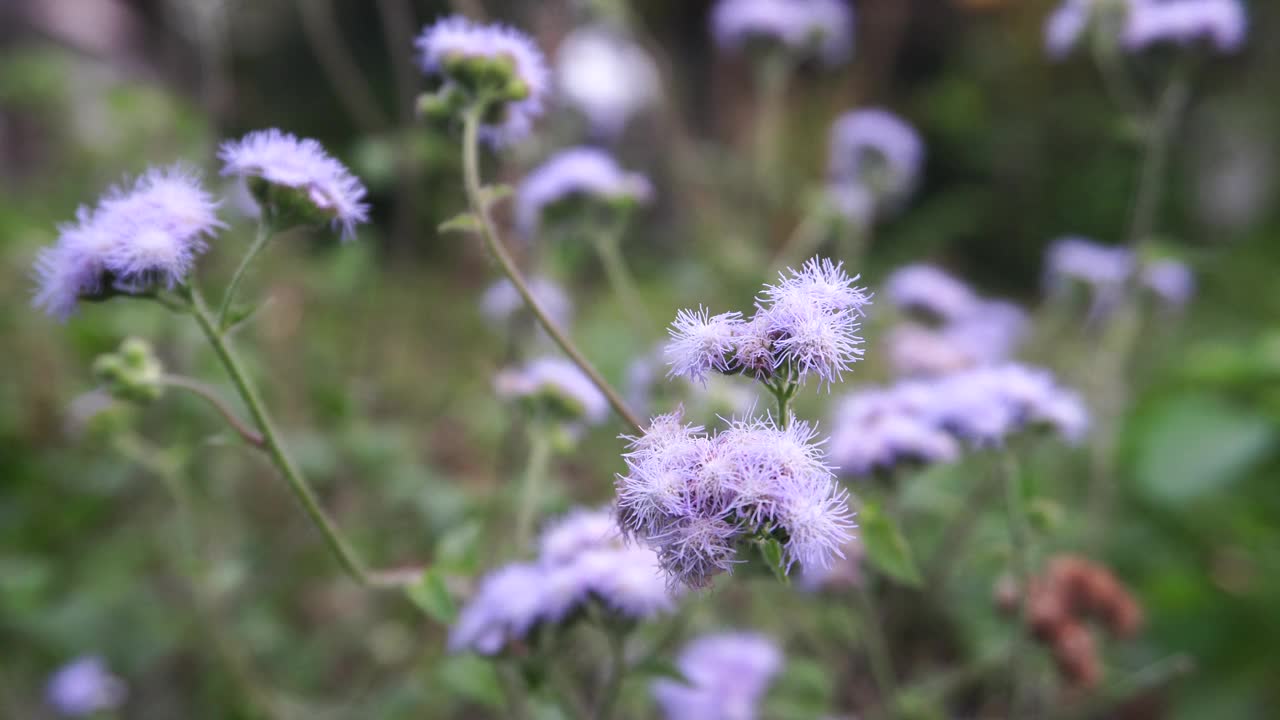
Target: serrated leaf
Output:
[
  {"x": 431, "y": 595},
  {"x": 462, "y": 222},
  {"x": 887, "y": 548}
]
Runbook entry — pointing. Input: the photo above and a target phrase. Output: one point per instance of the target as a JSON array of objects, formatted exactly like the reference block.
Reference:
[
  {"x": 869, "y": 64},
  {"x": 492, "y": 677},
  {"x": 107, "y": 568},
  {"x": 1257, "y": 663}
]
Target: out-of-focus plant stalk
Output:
[
  {"x": 210, "y": 396},
  {"x": 1021, "y": 553},
  {"x": 480, "y": 208},
  {"x": 271, "y": 440},
  {"x": 772, "y": 72},
  {"x": 228, "y": 297},
  {"x": 535, "y": 471},
  {"x": 615, "y": 671},
  {"x": 877, "y": 647},
  {"x": 608, "y": 244}
]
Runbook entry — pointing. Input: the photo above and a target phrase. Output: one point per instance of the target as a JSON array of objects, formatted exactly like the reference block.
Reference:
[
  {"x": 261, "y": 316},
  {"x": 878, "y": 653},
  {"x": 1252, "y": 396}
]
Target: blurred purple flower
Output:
[
  {"x": 1104, "y": 269},
  {"x": 1221, "y": 23},
  {"x": 1170, "y": 280},
  {"x": 1065, "y": 25},
  {"x": 931, "y": 292},
  {"x": 457, "y": 39},
  {"x": 582, "y": 558},
  {"x": 141, "y": 235},
  {"x": 576, "y": 173},
  {"x": 728, "y": 674},
  {"x": 84, "y": 687},
  {"x": 501, "y": 300},
  {"x": 283, "y": 160},
  {"x": 557, "y": 382},
  {"x": 804, "y": 27},
  {"x": 878, "y": 430},
  {"x": 876, "y": 150},
  {"x": 607, "y": 77},
  {"x": 693, "y": 497}
]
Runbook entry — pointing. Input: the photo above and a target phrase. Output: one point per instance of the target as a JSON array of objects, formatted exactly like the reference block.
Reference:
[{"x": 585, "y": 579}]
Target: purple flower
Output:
[
  {"x": 449, "y": 46},
  {"x": 560, "y": 384},
  {"x": 1102, "y": 268},
  {"x": 988, "y": 335},
  {"x": 607, "y": 77},
  {"x": 501, "y": 300},
  {"x": 931, "y": 292},
  {"x": 728, "y": 674},
  {"x": 282, "y": 161},
  {"x": 803, "y": 27},
  {"x": 141, "y": 235},
  {"x": 1170, "y": 280},
  {"x": 694, "y": 497},
  {"x": 1065, "y": 25},
  {"x": 879, "y": 430},
  {"x": 988, "y": 404},
  {"x": 876, "y": 150},
  {"x": 811, "y": 316},
  {"x": 701, "y": 342},
  {"x": 84, "y": 687},
  {"x": 1221, "y": 23},
  {"x": 582, "y": 558},
  {"x": 577, "y": 173}
]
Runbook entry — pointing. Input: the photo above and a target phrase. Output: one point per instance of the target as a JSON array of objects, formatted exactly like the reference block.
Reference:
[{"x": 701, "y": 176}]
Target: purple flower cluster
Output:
[
  {"x": 959, "y": 328},
  {"x": 581, "y": 173},
  {"x": 1105, "y": 270},
  {"x": 727, "y": 673},
  {"x": 804, "y": 325},
  {"x": 875, "y": 162},
  {"x": 501, "y": 300},
  {"x": 582, "y": 559},
  {"x": 695, "y": 497},
  {"x": 141, "y": 235},
  {"x": 281, "y": 160},
  {"x": 1220, "y": 23},
  {"x": 1141, "y": 24},
  {"x": 558, "y": 385},
  {"x": 607, "y": 77},
  {"x": 927, "y": 420},
  {"x": 446, "y": 47},
  {"x": 822, "y": 28},
  {"x": 84, "y": 687}
]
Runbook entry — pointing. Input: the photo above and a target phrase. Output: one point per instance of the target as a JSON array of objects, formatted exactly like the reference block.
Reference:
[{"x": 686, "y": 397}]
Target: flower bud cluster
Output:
[
  {"x": 1060, "y": 602},
  {"x": 697, "y": 499}
]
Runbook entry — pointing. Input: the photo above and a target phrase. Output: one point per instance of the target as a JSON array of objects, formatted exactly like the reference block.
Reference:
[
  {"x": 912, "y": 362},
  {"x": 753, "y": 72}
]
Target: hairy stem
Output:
[
  {"x": 271, "y": 439},
  {"x": 209, "y": 395},
  {"x": 259, "y": 242},
  {"x": 471, "y": 170}
]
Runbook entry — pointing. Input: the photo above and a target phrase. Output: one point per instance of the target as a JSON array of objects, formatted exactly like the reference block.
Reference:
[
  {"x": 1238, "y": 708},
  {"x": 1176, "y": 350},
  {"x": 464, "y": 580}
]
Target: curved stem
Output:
[
  {"x": 259, "y": 242},
  {"x": 1158, "y": 135},
  {"x": 1020, "y": 542},
  {"x": 210, "y": 396},
  {"x": 619, "y": 277},
  {"x": 471, "y": 171},
  {"x": 271, "y": 440},
  {"x": 534, "y": 473}
]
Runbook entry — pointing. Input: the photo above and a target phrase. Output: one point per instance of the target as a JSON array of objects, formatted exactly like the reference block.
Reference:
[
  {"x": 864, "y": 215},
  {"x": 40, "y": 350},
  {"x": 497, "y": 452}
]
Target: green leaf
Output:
[
  {"x": 431, "y": 595},
  {"x": 458, "y": 550},
  {"x": 490, "y": 194},
  {"x": 886, "y": 547},
  {"x": 462, "y": 222},
  {"x": 472, "y": 678},
  {"x": 771, "y": 551},
  {"x": 661, "y": 667},
  {"x": 1194, "y": 445}
]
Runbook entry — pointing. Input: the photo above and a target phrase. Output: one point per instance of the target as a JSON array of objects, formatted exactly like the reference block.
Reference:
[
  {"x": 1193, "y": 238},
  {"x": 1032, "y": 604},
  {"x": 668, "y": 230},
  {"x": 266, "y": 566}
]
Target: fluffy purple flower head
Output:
[
  {"x": 582, "y": 559},
  {"x": 295, "y": 181},
  {"x": 1220, "y": 23},
  {"x": 1103, "y": 268},
  {"x": 581, "y": 173},
  {"x": 702, "y": 342},
  {"x": 931, "y": 292},
  {"x": 607, "y": 77},
  {"x": 559, "y": 385},
  {"x": 694, "y": 498},
  {"x": 141, "y": 235},
  {"x": 501, "y": 301},
  {"x": 821, "y": 28},
  {"x": 876, "y": 150},
  {"x": 728, "y": 675},
  {"x": 84, "y": 687},
  {"x": 492, "y": 63}
]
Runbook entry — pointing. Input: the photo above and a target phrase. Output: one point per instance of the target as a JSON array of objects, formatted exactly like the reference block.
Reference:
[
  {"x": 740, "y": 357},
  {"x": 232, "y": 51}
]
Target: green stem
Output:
[
  {"x": 471, "y": 171},
  {"x": 1159, "y": 133},
  {"x": 513, "y": 690},
  {"x": 877, "y": 647},
  {"x": 615, "y": 671},
  {"x": 211, "y": 396},
  {"x": 1020, "y": 543},
  {"x": 259, "y": 242},
  {"x": 271, "y": 440},
  {"x": 1152, "y": 676},
  {"x": 783, "y": 391},
  {"x": 620, "y": 280},
  {"x": 534, "y": 473},
  {"x": 772, "y": 72}
]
